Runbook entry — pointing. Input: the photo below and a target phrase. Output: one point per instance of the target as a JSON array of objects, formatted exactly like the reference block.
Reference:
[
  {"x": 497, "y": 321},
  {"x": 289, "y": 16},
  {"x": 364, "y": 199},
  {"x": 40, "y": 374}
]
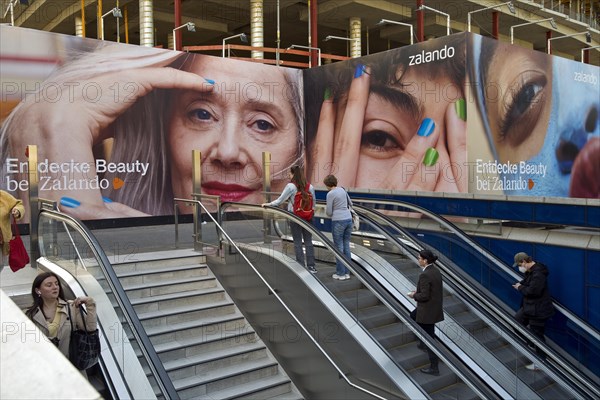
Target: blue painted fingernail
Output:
[
  {"x": 209, "y": 81},
  {"x": 359, "y": 70},
  {"x": 69, "y": 202},
  {"x": 427, "y": 127},
  {"x": 106, "y": 199}
]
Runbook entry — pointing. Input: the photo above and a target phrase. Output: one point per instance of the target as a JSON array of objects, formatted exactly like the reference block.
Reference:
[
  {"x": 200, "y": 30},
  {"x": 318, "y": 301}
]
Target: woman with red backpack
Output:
[{"x": 301, "y": 195}]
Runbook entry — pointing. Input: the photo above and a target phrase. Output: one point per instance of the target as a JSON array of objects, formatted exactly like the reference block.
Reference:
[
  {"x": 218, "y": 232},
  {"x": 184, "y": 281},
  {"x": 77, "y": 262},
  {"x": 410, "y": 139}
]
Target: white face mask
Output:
[{"x": 522, "y": 270}]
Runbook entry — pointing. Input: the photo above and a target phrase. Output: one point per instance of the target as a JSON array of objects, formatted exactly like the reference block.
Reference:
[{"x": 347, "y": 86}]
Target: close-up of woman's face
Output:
[
  {"x": 249, "y": 111},
  {"x": 518, "y": 101},
  {"x": 49, "y": 288},
  {"x": 392, "y": 118}
]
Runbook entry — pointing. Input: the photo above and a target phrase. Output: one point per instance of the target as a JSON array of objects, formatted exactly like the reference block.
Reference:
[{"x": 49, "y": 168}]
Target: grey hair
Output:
[{"x": 140, "y": 133}]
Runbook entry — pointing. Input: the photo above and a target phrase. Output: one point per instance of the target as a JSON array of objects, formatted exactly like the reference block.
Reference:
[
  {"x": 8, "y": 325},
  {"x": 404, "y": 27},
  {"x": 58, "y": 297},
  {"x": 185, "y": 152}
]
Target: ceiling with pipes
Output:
[{"x": 218, "y": 19}]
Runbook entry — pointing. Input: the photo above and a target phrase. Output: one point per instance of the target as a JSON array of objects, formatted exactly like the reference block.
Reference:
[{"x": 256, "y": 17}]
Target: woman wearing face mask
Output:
[
  {"x": 155, "y": 106},
  {"x": 52, "y": 313},
  {"x": 536, "y": 306}
]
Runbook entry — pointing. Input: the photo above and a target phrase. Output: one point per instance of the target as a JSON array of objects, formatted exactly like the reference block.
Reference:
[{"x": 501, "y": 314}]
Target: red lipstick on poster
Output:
[{"x": 227, "y": 192}]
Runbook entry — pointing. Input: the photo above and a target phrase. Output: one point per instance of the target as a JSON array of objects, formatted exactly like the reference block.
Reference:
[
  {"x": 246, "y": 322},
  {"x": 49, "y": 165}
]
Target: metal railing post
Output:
[
  {"x": 196, "y": 189},
  {"x": 266, "y": 159},
  {"x": 34, "y": 208}
]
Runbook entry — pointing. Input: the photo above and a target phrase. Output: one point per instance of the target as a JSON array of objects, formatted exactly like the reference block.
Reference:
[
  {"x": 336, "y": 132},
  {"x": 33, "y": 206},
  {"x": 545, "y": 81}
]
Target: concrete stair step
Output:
[
  {"x": 165, "y": 301},
  {"x": 229, "y": 323},
  {"x": 155, "y": 260},
  {"x": 244, "y": 372},
  {"x": 214, "y": 341},
  {"x": 186, "y": 313},
  {"x": 201, "y": 364},
  {"x": 160, "y": 274},
  {"x": 169, "y": 286},
  {"x": 276, "y": 388}
]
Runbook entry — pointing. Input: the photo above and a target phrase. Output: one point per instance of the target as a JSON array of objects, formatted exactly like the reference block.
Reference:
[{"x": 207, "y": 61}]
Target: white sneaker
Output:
[
  {"x": 338, "y": 277},
  {"x": 532, "y": 367},
  {"x": 347, "y": 276}
]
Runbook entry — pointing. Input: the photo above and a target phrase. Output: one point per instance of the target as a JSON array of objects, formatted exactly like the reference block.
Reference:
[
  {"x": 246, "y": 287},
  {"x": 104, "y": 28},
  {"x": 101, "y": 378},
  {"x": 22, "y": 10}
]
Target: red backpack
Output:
[{"x": 303, "y": 204}]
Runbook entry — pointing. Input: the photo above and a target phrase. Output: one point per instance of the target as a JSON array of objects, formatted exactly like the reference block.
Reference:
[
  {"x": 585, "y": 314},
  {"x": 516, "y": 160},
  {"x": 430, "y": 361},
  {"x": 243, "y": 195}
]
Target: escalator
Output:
[
  {"x": 473, "y": 333},
  {"x": 558, "y": 371},
  {"x": 361, "y": 315}
]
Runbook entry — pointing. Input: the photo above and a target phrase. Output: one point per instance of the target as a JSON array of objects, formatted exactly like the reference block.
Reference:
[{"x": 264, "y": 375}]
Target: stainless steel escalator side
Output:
[
  {"x": 60, "y": 249},
  {"x": 501, "y": 379},
  {"x": 564, "y": 368},
  {"x": 246, "y": 271},
  {"x": 259, "y": 213}
]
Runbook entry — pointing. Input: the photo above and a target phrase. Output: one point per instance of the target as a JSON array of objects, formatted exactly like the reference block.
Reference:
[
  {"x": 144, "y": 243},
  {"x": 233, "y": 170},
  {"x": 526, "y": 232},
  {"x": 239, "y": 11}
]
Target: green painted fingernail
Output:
[
  {"x": 431, "y": 157},
  {"x": 461, "y": 109},
  {"x": 327, "y": 94}
]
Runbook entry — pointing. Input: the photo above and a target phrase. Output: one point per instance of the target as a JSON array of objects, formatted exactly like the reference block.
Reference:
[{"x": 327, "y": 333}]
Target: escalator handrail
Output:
[
  {"x": 458, "y": 370},
  {"x": 146, "y": 347},
  {"x": 565, "y": 366},
  {"x": 273, "y": 291}
]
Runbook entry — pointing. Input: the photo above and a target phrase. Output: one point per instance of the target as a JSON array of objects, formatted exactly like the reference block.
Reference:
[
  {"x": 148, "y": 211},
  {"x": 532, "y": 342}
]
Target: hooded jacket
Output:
[{"x": 537, "y": 302}]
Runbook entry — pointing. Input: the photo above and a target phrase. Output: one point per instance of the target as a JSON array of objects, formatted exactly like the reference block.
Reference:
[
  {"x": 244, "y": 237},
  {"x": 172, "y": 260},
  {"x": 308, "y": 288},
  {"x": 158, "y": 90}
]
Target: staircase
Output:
[{"x": 208, "y": 348}]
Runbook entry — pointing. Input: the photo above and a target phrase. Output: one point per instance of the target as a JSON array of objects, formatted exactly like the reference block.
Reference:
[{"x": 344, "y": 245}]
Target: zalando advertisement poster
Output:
[
  {"x": 115, "y": 124},
  {"x": 534, "y": 122},
  {"x": 395, "y": 120},
  {"x": 461, "y": 113}
]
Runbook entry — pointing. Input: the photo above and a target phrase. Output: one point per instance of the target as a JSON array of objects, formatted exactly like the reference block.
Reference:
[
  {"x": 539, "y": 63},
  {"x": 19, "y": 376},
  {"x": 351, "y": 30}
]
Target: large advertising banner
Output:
[
  {"x": 462, "y": 113},
  {"x": 534, "y": 122},
  {"x": 395, "y": 120},
  {"x": 116, "y": 124}
]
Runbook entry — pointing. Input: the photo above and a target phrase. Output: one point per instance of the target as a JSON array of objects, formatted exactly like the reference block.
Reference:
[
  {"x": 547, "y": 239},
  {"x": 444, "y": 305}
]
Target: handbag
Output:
[
  {"x": 17, "y": 256},
  {"x": 84, "y": 348},
  {"x": 355, "y": 218}
]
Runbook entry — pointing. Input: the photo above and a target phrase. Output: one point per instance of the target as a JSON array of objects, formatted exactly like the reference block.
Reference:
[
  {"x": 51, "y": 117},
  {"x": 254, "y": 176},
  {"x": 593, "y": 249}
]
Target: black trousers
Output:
[
  {"x": 536, "y": 326},
  {"x": 430, "y": 329}
]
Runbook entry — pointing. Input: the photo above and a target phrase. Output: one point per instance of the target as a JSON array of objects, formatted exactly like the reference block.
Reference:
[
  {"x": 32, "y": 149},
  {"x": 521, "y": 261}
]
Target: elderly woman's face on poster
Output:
[{"x": 250, "y": 110}]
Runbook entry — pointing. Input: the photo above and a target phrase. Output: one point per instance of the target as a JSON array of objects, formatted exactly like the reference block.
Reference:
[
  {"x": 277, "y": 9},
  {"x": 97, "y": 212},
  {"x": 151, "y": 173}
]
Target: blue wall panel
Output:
[
  {"x": 512, "y": 210},
  {"x": 593, "y": 270},
  {"x": 560, "y": 214},
  {"x": 566, "y": 280},
  {"x": 593, "y": 306}
]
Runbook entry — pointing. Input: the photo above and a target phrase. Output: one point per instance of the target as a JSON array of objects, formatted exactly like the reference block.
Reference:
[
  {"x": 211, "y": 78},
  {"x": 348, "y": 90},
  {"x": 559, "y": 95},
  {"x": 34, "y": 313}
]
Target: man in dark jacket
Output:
[
  {"x": 429, "y": 298},
  {"x": 536, "y": 306}
]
